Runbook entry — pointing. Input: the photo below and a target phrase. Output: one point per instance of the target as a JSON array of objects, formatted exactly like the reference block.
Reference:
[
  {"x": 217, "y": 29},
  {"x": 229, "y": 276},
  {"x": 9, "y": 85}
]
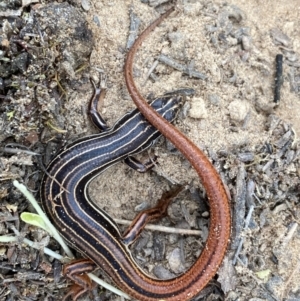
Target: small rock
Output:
[
  {"x": 20, "y": 62},
  {"x": 246, "y": 43},
  {"x": 85, "y": 5},
  {"x": 161, "y": 273},
  {"x": 32, "y": 137},
  {"x": 66, "y": 65},
  {"x": 174, "y": 261},
  {"x": 176, "y": 37},
  {"x": 214, "y": 99},
  {"x": 198, "y": 110},
  {"x": 27, "y": 2},
  {"x": 238, "y": 110},
  {"x": 96, "y": 19},
  {"x": 246, "y": 157},
  {"x": 280, "y": 37}
]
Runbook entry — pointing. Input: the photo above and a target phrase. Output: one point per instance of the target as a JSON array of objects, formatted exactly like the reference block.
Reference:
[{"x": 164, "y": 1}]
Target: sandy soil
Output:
[
  {"x": 236, "y": 121},
  {"x": 232, "y": 113}
]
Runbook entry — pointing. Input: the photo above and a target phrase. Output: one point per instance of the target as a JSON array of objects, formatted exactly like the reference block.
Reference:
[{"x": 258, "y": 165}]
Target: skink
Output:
[{"x": 92, "y": 232}]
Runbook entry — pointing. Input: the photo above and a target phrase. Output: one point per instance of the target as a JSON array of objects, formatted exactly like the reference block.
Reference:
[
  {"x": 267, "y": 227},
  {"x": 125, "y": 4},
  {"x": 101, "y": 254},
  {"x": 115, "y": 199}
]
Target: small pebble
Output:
[
  {"x": 85, "y": 5},
  {"x": 280, "y": 37},
  {"x": 246, "y": 44},
  {"x": 162, "y": 273},
  {"x": 3, "y": 251},
  {"x": 27, "y": 2},
  {"x": 246, "y": 157},
  {"x": 198, "y": 110},
  {"x": 96, "y": 20},
  {"x": 1, "y": 84},
  {"x": 214, "y": 99},
  {"x": 238, "y": 110},
  {"x": 174, "y": 260},
  {"x": 68, "y": 68},
  {"x": 173, "y": 238},
  {"x": 176, "y": 37}
]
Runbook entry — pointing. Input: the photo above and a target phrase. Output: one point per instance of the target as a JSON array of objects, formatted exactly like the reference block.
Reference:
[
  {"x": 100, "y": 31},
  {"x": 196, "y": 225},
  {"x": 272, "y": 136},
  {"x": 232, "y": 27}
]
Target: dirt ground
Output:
[
  {"x": 219, "y": 126},
  {"x": 252, "y": 141}
]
